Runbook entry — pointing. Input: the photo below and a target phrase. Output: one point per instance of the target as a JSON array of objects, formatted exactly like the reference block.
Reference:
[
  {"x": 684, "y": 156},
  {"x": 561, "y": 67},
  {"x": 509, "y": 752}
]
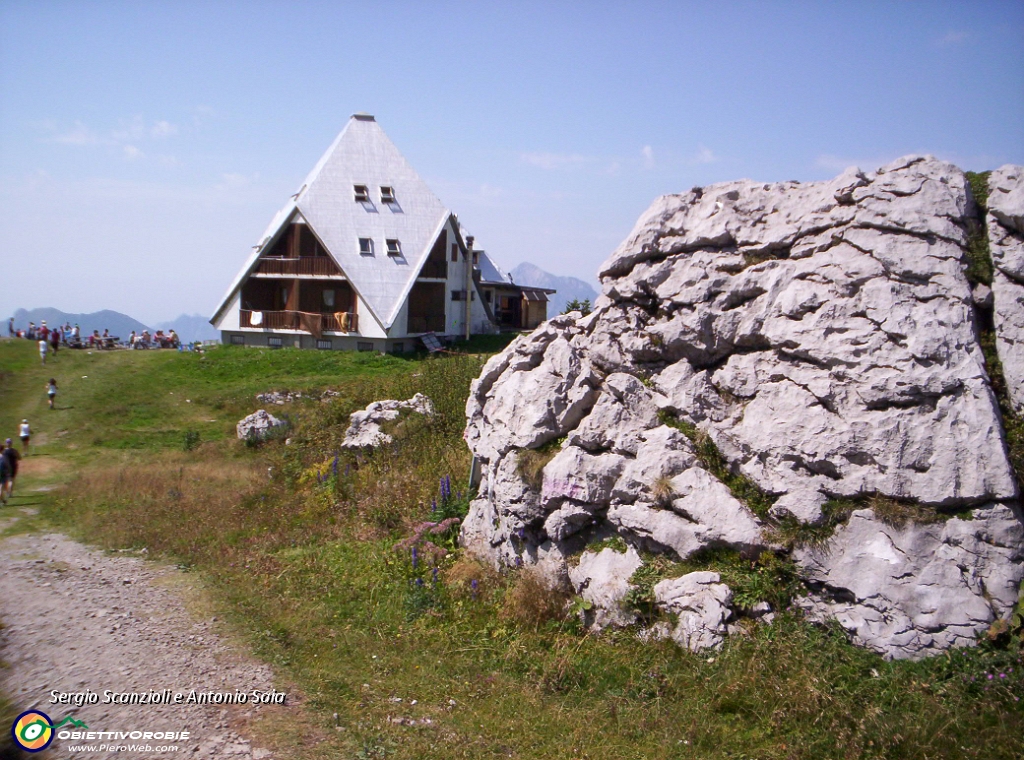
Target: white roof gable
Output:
[{"x": 363, "y": 155}]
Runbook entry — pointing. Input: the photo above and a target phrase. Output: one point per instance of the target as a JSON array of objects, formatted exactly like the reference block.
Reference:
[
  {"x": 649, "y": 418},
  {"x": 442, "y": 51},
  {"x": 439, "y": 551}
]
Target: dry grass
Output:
[
  {"x": 532, "y": 602},
  {"x": 459, "y": 578}
]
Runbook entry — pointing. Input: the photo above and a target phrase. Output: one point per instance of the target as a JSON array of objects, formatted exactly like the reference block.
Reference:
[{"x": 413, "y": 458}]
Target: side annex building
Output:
[{"x": 365, "y": 257}]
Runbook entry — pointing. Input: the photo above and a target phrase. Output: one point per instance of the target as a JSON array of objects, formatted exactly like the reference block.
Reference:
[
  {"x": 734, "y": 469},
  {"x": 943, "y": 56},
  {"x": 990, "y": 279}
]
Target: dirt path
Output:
[{"x": 79, "y": 621}]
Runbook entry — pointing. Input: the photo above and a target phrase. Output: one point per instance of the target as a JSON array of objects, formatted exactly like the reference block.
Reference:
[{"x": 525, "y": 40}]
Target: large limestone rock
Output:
[
  {"x": 258, "y": 426},
  {"x": 1006, "y": 241},
  {"x": 821, "y": 338},
  {"x": 364, "y": 430},
  {"x": 906, "y": 590},
  {"x": 700, "y": 603}
]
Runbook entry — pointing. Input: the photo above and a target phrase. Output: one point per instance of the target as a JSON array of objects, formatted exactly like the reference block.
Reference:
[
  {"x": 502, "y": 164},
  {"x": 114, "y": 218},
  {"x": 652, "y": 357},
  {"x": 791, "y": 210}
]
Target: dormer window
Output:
[
  {"x": 362, "y": 193},
  {"x": 366, "y": 246},
  {"x": 394, "y": 248},
  {"x": 387, "y": 194}
]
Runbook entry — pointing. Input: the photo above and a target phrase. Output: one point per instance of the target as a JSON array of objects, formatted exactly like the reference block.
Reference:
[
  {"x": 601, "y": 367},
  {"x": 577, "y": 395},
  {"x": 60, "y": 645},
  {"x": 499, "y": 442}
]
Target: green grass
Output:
[
  {"x": 303, "y": 562},
  {"x": 979, "y": 257}
]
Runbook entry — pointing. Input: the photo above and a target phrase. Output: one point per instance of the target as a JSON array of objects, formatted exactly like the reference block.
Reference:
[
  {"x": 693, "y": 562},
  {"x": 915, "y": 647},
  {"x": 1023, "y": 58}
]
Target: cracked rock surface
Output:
[
  {"x": 364, "y": 430},
  {"x": 823, "y": 338},
  {"x": 1006, "y": 241}
]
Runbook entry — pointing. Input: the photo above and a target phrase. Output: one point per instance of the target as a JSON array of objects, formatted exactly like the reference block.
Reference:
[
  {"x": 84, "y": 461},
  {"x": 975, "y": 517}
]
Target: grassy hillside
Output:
[{"x": 308, "y": 552}]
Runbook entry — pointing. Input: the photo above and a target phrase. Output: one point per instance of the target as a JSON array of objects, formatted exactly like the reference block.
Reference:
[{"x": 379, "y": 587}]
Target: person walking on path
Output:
[
  {"x": 8, "y": 470},
  {"x": 51, "y": 391},
  {"x": 43, "y": 348},
  {"x": 55, "y": 340},
  {"x": 24, "y": 432}
]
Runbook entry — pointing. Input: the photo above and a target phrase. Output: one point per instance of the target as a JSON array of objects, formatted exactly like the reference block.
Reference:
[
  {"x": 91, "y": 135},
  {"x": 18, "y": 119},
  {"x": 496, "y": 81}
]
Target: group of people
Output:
[
  {"x": 71, "y": 336},
  {"x": 9, "y": 458},
  {"x": 157, "y": 340}
]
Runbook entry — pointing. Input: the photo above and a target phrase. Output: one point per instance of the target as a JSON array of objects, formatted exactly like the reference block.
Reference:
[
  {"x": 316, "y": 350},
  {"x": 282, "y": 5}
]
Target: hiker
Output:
[
  {"x": 43, "y": 348},
  {"x": 51, "y": 391},
  {"x": 55, "y": 340},
  {"x": 43, "y": 331},
  {"x": 8, "y": 470},
  {"x": 24, "y": 432}
]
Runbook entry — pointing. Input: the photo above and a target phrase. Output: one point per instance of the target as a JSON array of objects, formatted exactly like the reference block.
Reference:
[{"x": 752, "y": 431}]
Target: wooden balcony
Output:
[
  {"x": 311, "y": 322},
  {"x": 310, "y": 266}
]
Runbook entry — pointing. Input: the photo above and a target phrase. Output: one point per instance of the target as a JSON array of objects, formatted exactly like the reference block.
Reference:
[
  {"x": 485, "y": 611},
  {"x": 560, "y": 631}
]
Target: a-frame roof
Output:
[{"x": 364, "y": 155}]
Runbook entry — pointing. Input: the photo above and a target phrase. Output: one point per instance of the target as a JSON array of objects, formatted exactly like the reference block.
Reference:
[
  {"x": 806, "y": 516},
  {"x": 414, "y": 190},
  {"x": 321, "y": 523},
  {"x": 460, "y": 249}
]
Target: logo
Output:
[{"x": 33, "y": 730}]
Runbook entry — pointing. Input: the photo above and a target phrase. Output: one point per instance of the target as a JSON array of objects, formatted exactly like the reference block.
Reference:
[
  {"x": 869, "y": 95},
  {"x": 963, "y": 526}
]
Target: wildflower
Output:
[
  {"x": 1002, "y": 675},
  {"x": 334, "y": 466},
  {"x": 434, "y": 576},
  {"x": 433, "y": 505},
  {"x": 415, "y": 561},
  {"x": 990, "y": 676},
  {"x": 419, "y": 582}
]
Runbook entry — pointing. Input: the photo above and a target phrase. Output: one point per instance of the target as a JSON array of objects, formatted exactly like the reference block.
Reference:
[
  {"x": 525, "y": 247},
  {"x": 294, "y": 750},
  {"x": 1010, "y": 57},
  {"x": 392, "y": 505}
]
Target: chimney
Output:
[{"x": 469, "y": 279}]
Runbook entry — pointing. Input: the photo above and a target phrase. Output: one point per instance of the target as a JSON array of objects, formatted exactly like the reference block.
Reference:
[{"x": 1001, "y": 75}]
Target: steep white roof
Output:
[{"x": 364, "y": 155}]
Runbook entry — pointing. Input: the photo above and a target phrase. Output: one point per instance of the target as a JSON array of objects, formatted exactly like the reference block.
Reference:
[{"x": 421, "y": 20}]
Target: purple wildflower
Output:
[
  {"x": 434, "y": 576},
  {"x": 334, "y": 466},
  {"x": 415, "y": 558},
  {"x": 433, "y": 505},
  {"x": 419, "y": 582}
]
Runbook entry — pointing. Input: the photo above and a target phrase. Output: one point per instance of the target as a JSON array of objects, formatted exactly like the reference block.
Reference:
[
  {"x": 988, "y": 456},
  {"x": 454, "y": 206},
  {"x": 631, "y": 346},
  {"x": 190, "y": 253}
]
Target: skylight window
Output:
[
  {"x": 366, "y": 246},
  {"x": 362, "y": 193},
  {"x": 387, "y": 194},
  {"x": 394, "y": 248}
]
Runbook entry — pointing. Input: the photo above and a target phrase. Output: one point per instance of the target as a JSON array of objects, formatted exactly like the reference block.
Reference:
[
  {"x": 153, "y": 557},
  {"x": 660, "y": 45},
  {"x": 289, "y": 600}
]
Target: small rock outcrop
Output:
[
  {"x": 364, "y": 430},
  {"x": 258, "y": 425},
  {"x": 758, "y": 352}
]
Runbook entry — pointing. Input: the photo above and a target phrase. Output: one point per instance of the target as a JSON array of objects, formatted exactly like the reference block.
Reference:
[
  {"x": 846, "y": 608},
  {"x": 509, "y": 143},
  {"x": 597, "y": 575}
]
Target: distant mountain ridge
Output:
[
  {"x": 119, "y": 324},
  {"x": 189, "y": 327},
  {"x": 568, "y": 288}
]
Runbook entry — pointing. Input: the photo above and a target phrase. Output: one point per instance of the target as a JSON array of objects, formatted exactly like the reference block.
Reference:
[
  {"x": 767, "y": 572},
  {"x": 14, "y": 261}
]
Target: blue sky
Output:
[{"x": 144, "y": 146}]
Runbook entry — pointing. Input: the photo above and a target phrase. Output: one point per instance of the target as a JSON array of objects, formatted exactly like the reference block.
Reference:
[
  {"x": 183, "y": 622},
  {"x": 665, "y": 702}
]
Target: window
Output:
[
  {"x": 398, "y": 348},
  {"x": 274, "y": 342},
  {"x": 455, "y": 251},
  {"x": 237, "y": 340},
  {"x": 324, "y": 344},
  {"x": 458, "y": 295},
  {"x": 328, "y": 297},
  {"x": 387, "y": 194},
  {"x": 394, "y": 248},
  {"x": 488, "y": 294},
  {"x": 361, "y": 346},
  {"x": 362, "y": 193},
  {"x": 366, "y": 246}
]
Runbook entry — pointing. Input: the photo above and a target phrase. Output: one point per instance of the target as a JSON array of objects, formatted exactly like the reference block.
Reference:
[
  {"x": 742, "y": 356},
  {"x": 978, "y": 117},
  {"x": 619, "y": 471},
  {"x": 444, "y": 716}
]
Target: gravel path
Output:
[{"x": 78, "y": 620}]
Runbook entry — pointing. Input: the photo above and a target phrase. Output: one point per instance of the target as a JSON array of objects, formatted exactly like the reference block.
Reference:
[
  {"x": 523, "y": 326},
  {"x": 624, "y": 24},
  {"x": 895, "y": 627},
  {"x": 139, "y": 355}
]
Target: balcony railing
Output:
[
  {"x": 310, "y": 322},
  {"x": 320, "y": 266}
]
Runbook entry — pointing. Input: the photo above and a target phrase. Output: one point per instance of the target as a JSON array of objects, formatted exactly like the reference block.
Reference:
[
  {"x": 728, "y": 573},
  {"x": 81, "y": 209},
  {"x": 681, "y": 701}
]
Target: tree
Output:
[{"x": 578, "y": 305}]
